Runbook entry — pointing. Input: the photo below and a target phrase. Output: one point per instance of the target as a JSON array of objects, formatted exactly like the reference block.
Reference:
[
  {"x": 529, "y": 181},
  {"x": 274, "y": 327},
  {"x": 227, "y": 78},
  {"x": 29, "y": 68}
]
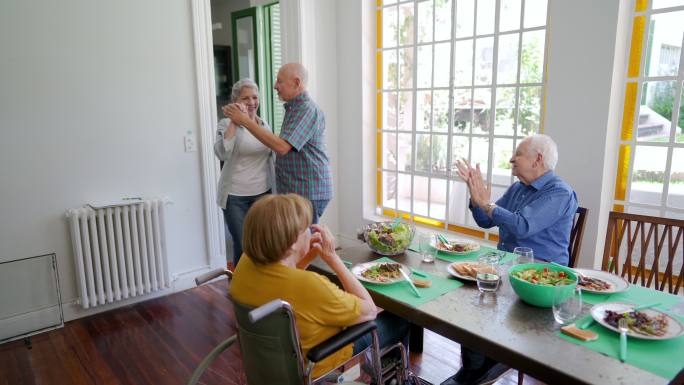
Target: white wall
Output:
[
  {"x": 95, "y": 100},
  {"x": 580, "y": 114}
]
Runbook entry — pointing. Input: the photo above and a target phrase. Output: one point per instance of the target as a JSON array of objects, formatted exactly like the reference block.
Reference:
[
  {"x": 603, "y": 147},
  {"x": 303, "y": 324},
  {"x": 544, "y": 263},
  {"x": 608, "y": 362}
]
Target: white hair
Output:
[
  {"x": 239, "y": 85},
  {"x": 544, "y": 145}
]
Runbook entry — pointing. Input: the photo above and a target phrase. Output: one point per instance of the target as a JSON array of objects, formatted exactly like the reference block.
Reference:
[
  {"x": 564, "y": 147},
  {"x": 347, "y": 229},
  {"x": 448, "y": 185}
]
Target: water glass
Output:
[
  {"x": 525, "y": 254},
  {"x": 487, "y": 270},
  {"x": 426, "y": 244},
  {"x": 567, "y": 304}
]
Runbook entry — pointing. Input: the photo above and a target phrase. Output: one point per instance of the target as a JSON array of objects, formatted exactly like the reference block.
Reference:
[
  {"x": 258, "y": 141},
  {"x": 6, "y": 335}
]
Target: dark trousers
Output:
[
  {"x": 234, "y": 216},
  {"x": 318, "y": 208},
  {"x": 391, "y": 329}
]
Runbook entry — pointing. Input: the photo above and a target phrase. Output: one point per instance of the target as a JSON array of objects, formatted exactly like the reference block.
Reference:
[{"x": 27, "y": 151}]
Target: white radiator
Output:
[{"x": 119, "y": 251}]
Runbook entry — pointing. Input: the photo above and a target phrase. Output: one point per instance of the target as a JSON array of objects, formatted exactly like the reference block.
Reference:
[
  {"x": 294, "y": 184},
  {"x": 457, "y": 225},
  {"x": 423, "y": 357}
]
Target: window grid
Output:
[
  {"x": 633, "y": 143},
  {"x": 449, "y": 175}
]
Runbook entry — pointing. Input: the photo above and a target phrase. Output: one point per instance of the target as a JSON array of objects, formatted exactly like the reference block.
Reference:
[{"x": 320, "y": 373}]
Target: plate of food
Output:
[
  {"x": 456, "y": 247},
  {"x": 600, "y": 282},
  {"x": 647, "y": 324},
  {"x": 382, "y": 273},
  {"x": 466, "y": 271}
]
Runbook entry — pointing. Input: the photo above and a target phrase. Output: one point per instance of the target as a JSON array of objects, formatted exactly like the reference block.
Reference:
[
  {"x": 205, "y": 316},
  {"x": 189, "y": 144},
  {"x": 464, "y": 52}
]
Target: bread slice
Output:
[{"x": 584, "y": 335}]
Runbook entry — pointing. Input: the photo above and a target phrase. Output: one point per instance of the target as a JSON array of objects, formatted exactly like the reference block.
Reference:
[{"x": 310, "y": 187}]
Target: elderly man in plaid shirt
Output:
[{"x": 302, "y": 164}]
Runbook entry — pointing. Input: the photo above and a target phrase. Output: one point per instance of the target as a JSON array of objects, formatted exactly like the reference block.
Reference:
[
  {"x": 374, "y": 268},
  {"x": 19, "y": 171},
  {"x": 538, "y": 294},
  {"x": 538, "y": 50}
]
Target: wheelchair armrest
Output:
[
  {"x": 208, "y": 276},
  {"x": 339, "y": 340}
]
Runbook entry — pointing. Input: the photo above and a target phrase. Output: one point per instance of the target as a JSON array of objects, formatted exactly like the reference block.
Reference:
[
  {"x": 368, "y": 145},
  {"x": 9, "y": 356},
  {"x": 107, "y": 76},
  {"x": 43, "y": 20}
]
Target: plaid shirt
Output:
[{"x": 305, "y": 169}]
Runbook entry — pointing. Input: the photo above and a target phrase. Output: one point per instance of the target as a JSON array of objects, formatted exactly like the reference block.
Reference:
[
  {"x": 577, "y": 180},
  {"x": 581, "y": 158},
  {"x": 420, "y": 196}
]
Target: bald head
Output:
[{"x": 291, "y": 81}]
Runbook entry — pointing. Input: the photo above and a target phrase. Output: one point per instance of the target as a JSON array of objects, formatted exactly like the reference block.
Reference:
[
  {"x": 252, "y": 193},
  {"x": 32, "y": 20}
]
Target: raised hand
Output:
[{"x": 480, "y": 192}]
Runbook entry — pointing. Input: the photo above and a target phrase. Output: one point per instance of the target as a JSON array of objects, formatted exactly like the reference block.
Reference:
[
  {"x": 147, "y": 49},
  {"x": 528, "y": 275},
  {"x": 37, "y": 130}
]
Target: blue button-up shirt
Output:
[{"x": 538, "y": 215}]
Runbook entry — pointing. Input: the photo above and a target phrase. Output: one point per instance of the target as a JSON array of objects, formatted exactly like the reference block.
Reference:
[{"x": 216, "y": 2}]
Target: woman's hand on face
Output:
[{"x": 327, "y": 243}]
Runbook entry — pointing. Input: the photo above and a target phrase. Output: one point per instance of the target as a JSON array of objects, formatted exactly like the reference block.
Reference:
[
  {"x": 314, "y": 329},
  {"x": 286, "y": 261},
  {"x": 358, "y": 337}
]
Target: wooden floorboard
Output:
[{"x": 161, "y": 341}]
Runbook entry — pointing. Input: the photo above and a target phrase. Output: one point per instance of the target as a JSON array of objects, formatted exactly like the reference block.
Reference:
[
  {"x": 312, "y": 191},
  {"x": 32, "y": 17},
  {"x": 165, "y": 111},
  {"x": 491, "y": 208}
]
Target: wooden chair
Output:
[
  {"x": 576, "y": 235},
  {"x": 638, "y": 247}
]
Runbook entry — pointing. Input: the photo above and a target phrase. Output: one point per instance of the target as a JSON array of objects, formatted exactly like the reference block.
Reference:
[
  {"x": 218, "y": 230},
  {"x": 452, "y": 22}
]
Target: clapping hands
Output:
[{"x": 480, "y": 192}]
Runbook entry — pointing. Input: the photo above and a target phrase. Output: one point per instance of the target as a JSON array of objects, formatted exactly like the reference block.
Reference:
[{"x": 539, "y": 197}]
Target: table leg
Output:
[{"x": 416, "y": 338}]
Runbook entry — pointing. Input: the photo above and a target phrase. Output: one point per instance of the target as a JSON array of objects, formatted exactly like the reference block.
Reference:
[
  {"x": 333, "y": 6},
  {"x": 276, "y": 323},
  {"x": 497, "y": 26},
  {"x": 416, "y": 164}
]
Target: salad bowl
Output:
[
  {"x": 535, "y": 283},
  {"x": 388, "y": 238}
]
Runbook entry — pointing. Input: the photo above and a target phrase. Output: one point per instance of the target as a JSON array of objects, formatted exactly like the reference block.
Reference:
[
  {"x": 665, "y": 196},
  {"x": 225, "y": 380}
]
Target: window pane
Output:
[
  {"x": 648, "y": 175},
  {"x": 655, "y": 113},
  {"x": 389, "y": 111},
  {"x": 423, "y": 110},
  {"x": 420, "y": 195},
  {"x": 389, "y": 2},
  {"x": 507, "y": 67},
  {"x": 680, "y": 124},
  {"x": 440, "y": 111},
  {"x": 389, "y": 188},
  {"x": 665, "y": 44},
  {"x": 480, "y": 154},
  {"x": 389, "y": 151},
  {"x": 532, "y": 58},
  {"x": 406, "y": 24},
  {"x": 465, "y": 12},
  {"x": 529, "y": 110},
  {"x": 439, "y": 154},
  {"x": 389, "y": 72},
  {"x": 459, "y": 150},
  {"x": 424, "y": 66},
  {"x": 462, "y": 108},
  {"x": 422, "y": 152},
  {"x": 404, "y": 192},
  {"x": 675, "y": 196},
  {"x": 509, "y": 15},
  {"x": 438, "y": 190},
  {"x": 443, "y": 20},
  {"x": 389, "y": 27},
  {"x": 482, "y": 101},
  {"x": 406, "y": 61},
  {"x": 458, "y": 195},
  {"x": 485, "y": 16},
  {"x": 505, "y": 111},
  {"x": 463, "y": 63},
  {"x": 425, "y": 22},
  {"x": 484, "y": 50},
  {"x": 405, "y": 148},
  {"x": 501, "y": 167},
  {"x": 535, "y": 13},
  {"x": 442, "y": 62},
  {"x": 666, "y": 3},
  {"x": 405, "y": 111}
]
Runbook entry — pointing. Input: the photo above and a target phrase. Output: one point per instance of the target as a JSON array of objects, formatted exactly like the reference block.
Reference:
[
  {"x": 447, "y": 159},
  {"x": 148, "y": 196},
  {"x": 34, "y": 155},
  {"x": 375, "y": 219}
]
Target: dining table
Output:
[{"x": 497, "y": 324}]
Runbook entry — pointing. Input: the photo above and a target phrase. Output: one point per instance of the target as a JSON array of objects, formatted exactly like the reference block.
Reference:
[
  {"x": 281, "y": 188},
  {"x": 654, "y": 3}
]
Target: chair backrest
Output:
[
  {"x": 576, "y": 235},
  {"x": 270, "y": 348},
  {"x": 644, "y": 250}
]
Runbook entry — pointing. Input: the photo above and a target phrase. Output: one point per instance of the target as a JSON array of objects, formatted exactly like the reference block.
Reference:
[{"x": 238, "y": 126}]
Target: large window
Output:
[
  {"x": 650, "y": 178},
  {"x": 456, "y": 79}
]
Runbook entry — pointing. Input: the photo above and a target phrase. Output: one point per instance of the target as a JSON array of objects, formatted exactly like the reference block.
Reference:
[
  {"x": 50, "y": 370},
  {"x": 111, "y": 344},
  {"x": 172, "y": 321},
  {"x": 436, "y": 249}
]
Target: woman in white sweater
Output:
[{"x": 248, "y": 166}]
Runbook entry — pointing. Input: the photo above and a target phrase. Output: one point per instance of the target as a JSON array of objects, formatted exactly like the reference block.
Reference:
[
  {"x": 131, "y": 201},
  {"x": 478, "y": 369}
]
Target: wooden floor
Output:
[{"x": 160, "y": 341}]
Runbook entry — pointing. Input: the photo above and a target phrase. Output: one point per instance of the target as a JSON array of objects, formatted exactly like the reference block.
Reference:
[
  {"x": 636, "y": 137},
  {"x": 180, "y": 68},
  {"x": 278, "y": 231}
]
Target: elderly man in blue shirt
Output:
[{"x": 535, "y": 212}]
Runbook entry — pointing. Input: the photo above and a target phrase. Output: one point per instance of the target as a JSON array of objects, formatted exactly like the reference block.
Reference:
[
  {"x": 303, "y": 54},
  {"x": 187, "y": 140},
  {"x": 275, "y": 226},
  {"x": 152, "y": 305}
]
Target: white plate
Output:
[
  {"x": 357, "y": 270},
  {"x": 674, "y": 327},
  {"x": 462, "y": 241},
  {"x": 618, "y": 284},
  {"x": 455, "y": 273}
]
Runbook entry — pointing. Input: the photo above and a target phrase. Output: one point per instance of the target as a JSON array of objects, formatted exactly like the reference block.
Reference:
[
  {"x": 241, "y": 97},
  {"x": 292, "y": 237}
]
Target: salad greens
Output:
[
  {"x": 383, "y": 238},
  {"x": 544, "y": 277}
]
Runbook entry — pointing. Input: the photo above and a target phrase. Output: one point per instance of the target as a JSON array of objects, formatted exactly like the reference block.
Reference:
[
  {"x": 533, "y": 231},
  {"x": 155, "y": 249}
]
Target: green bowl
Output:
[{"x": 537, "y": 295}]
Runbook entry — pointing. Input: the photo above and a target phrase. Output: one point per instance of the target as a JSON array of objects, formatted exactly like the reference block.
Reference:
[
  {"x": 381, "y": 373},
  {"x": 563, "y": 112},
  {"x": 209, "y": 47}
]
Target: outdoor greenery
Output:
[
  {"x": 663, "y": 102},
  {"x": 647, "y": 176}
]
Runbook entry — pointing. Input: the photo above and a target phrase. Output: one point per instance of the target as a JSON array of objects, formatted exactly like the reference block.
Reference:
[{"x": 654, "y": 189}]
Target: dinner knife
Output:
[{"x": 415, "y": 290}]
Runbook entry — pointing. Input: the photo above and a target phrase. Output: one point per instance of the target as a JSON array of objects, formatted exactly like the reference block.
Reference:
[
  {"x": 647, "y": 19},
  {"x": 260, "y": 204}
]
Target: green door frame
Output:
[{"x": 234, "y": 16}]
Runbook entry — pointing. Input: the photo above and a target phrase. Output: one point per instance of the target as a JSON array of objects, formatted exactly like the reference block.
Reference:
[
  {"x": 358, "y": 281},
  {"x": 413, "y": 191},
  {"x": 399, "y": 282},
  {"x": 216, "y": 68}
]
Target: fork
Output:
[{"x": 622, "y": 325}]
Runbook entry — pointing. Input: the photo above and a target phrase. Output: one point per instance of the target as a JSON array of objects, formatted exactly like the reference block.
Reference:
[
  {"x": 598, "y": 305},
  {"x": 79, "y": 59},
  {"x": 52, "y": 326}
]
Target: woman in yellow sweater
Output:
[{"x": 278, "y": 245}]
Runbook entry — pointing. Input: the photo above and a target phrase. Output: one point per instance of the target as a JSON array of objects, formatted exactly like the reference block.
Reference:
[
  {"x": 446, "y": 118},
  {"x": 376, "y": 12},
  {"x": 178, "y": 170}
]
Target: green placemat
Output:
[
  {"x": 401, "y": 291},
  {"x": 659, "y": 357},
  {"x": 473, "y": 256},
  {"x": 637, "y": 295}
]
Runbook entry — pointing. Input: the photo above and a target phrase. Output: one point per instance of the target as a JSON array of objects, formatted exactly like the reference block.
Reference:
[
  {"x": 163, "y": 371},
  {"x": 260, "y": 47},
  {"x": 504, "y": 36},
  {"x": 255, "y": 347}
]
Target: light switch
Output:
[{"x": 190, "y": 144}]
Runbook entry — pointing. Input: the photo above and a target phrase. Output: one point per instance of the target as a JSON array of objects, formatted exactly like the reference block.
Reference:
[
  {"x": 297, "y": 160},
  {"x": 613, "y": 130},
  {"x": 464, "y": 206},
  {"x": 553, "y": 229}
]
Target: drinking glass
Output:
[
  {"x": 525, "y": 254},
  {"x": 487, "y": 270},
  {"x": 427, "y": 249},
  {"x": 567, "y": 304}
]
